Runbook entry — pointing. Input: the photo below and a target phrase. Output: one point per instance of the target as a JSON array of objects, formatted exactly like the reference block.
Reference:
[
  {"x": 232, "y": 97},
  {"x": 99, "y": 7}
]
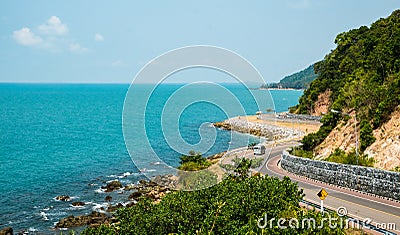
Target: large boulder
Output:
[
  {"x": 113, "y": 185},
  {"x": 78, "y": 204},
  {"x": 92, "y": 220},
  {"x": 135, "y": 196},
  {"x": 112, "y": 208},
  {"x": 63, "y": 198},
  {"x": 6, "y": 231}
]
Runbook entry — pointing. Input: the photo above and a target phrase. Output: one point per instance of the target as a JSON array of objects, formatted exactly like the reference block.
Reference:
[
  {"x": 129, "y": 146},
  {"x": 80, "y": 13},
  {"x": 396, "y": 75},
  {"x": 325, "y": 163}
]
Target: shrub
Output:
[
  {"x": 366, "y": 135},
  {"x": 351, "y": 158},
  {"x": 193, "y": 162}
]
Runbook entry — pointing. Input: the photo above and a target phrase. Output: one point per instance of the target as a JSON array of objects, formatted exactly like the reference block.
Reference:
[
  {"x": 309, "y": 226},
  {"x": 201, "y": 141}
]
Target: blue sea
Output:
[{"x": 68, "y": 139}]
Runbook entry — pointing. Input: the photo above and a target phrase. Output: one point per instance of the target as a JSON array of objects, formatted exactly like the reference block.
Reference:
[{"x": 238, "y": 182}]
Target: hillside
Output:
[
  {"x": 299, "y": 80},
  {"x": 362, "y": 78}
]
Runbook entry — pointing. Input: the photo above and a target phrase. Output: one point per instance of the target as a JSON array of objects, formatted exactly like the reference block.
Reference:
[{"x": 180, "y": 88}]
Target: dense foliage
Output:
[
  {"x": 363, "y": 75},
  {"x": 233, "y": 206},
  {"x": 329, "y": 121},
  {"x": 351, "y": 158},
  {"x": 193, "y": 162},
  {"x": 363, "y": 72},
  {"x": 299, "y": 80}
]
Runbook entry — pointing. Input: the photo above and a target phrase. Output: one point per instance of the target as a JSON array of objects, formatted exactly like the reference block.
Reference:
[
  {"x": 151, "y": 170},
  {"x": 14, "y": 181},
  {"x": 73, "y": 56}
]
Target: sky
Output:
[{"x": 110, "y": 41}]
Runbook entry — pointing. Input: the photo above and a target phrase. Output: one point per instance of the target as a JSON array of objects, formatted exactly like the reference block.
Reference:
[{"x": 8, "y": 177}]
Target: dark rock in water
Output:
[
  {"x": 142, "y": 182},
  {"x": 114, "y": 208},
  {"x": 6, "y": 231},
  {"x": 108, "y": 198},
  {"x": 113, "y": 185},
  {"x": 78, "y": 203},
  {"x": 130, "y": 187},
  {"x": 135, "y": 196},
  {"x": 63, "y": 198},
  {"x": 92, "y": 220}
]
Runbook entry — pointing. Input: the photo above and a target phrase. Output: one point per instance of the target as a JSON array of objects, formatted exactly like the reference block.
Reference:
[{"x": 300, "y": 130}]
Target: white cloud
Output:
[
  {"x": 98, "y": 37},
  {"x": 77, "y": 48},
  {"x": 26, "y": 37},
  {"x": 53, "y": 37},
  {"x": 53, "y": 26}
]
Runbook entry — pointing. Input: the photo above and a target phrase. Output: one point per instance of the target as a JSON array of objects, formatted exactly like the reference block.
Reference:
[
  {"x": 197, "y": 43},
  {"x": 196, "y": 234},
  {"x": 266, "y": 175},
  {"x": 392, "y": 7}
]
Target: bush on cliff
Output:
[{"x": 351, "y": 158}]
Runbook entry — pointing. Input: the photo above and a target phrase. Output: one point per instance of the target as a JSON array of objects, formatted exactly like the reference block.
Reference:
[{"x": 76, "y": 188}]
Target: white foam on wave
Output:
[
  {"x": 62, "y": 229},
  {"x": 126, "y": 203},
  {"x": 69, "y": 199},
  {"x": 57, "y": 213},
  {"x": 44, "y": 215},
  {"x": 126, "y": 174},
  {"x": 72, "y": 207},
  {"x": 156, "y": 163},
  {"x": 97, "y": 206},
  {"x": 32, "y": 230},
  {"x": 100, "y": 190}
]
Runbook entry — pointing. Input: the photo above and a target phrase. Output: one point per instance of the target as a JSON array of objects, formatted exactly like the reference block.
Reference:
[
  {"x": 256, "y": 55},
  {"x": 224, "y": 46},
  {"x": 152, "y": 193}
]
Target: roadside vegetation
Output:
[
  {"x": 231, "y": 207},
  {"x": 340, "y": 156},
  {"x": 396, "y": 169}
]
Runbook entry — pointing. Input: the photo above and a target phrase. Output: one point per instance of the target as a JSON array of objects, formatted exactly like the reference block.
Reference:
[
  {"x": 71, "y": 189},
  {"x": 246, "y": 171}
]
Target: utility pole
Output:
[{"x": 355, "y": 132}]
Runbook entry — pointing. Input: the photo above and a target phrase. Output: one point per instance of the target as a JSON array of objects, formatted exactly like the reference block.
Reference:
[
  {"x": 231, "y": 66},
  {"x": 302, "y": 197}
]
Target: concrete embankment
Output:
[{"x": 268, "y": 130}]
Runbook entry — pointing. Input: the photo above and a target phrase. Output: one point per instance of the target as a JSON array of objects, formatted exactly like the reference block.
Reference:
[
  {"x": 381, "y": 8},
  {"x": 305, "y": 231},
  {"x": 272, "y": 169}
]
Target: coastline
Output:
[
  {"x": 277, "y": 89},
  {"x": 269, "y": 126},
  {"x": 160, "y": 185}
]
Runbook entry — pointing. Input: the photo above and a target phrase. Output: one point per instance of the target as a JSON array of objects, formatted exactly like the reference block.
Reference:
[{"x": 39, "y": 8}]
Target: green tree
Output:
[{"x": 366, "y": 135}]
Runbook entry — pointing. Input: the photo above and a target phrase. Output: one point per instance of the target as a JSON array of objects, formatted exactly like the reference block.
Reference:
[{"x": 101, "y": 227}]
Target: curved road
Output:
[{"x": 381, "y": 212}]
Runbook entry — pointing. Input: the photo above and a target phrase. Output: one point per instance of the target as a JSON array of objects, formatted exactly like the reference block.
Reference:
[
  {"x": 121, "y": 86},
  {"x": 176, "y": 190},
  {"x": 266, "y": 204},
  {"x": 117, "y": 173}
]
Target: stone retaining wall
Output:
[{"x": 364, "y": 179}]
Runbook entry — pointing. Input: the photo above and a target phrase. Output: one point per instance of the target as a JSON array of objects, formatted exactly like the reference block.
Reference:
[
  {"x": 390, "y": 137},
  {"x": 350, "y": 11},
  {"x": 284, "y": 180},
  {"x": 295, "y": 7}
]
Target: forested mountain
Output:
[
  {"x": 299, "y": 80},
  {"x": 361, "y": 75}
]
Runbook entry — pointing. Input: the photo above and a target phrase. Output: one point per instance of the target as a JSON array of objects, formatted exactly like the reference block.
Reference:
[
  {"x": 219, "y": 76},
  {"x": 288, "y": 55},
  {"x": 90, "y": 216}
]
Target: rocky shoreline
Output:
[
  {"x": 153, "y": 189},
  {"x": 241, "y": 124}
]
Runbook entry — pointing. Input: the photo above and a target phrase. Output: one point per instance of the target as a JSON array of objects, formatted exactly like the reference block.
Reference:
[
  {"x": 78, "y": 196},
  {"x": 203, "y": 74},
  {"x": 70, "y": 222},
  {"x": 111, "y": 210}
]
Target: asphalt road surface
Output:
[{"x": 374, "y": 210}]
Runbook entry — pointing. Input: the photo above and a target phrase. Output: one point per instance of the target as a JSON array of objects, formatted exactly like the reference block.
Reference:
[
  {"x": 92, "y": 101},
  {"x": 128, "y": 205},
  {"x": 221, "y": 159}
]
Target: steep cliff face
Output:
[
  {"x": 386, "y": 149},
  {"x": 342, "y": 137},
  {"x": 321, "y": 106}
]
